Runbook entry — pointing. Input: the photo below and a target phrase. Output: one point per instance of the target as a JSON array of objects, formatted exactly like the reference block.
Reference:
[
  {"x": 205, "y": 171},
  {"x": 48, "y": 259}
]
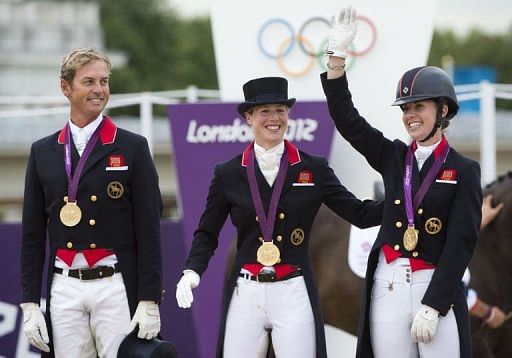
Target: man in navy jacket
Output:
[{"x": 92, "y": 189}]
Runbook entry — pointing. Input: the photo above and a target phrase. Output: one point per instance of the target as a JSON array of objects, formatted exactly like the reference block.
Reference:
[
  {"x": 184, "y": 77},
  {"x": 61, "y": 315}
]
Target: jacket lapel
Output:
[
  {"x": 59, "y": 148},
  {"x": 416, "y": 177},
  {"x": 104, "y": 145},
  {"x": 295, "y": 165},
  {"x": 426, "y": 166},
  {"x": 291, "y": 175},
  {"x": 265, "y": 189},
  {"x": 99, "y": 152}
]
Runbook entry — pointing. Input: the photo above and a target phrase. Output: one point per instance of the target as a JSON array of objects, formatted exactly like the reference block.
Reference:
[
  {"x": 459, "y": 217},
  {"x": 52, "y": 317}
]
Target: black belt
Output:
[
  {"x": 269, "y": 276},
  {"x": 90, "y": 273}
]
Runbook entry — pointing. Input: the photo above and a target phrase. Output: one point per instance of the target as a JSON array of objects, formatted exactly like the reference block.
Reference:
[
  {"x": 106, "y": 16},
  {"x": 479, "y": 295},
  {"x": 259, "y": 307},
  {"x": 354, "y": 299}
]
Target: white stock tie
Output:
[
  {"x": 269, "y": 166},
  {"x": 422, "y": 153},
  {"x": 81, "y": 141}
]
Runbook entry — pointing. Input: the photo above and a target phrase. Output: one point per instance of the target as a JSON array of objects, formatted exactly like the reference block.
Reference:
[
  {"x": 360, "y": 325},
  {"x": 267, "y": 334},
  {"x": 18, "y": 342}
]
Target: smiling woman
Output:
[
  {"x": 428, "y": 102},
  {"x": 419, "y": 117},
  {"x": 272, "y": 191},
  {"x": 269, "y": 123},
  {"x": 413, "y": 297}
]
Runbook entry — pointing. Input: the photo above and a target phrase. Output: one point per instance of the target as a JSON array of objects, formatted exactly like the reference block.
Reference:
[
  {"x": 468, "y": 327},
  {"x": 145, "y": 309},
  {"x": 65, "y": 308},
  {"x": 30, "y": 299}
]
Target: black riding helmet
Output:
[{"x": 428, "y": 82}]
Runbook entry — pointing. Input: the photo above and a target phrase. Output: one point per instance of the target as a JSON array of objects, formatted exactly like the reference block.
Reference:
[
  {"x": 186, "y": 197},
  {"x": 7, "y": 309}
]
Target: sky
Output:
[{"x": 492, "y": 16}]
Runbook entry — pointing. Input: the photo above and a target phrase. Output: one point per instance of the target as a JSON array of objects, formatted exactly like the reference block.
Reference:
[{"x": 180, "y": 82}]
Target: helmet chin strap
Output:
[{"x": 439, "y": 117}]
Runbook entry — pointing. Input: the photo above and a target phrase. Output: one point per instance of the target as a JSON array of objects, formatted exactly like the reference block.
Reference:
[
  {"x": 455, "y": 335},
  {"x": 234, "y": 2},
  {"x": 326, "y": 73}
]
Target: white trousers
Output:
[
  {"x": 89, "y": 318},
  {"x": 396, "y": 298},
  {"x": 282, "y": 307}
]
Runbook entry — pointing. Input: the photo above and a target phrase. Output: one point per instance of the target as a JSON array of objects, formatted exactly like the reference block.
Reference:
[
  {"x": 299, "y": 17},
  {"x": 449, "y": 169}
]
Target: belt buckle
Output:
[
  {"x": 106, "y": 271},
  {"x": 266, "y": 277},
  {"x": 80, "y": 274}
]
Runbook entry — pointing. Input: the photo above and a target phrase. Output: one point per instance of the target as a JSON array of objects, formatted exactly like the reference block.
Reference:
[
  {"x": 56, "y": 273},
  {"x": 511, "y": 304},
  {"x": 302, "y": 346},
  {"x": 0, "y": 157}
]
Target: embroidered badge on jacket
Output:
[
  {"x": 448, "y": 176},
  {"x": 115, "y": 190},
  {"x": 297, "y": 236},
  {"x": 305, "y": 178},
  {"x": 116, "y": 162}
]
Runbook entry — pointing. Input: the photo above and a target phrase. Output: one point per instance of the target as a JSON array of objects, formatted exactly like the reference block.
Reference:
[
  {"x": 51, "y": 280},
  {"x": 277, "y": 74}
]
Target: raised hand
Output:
[{"x": 341, "y": 33}]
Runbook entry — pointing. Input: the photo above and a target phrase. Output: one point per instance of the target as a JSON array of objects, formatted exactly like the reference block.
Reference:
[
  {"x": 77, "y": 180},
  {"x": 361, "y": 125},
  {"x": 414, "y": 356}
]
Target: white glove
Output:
[
  {"x": 34, "y": 326},
  {"x": 424, "y": 326},
  {"x": 147, "y": 317},
  {"x": 342, "y": 32},
  {"x": 188, "y": 281}
]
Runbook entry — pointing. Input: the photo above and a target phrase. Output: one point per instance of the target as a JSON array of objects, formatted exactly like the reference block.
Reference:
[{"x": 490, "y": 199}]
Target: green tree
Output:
[
  {"x": 164, "y": 52},
  {"x": 477, "y": 48}
]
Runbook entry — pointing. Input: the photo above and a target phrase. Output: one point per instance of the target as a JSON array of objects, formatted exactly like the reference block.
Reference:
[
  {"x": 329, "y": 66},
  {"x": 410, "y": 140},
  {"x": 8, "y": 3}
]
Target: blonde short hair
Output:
[{"x": 78, "y": 58}]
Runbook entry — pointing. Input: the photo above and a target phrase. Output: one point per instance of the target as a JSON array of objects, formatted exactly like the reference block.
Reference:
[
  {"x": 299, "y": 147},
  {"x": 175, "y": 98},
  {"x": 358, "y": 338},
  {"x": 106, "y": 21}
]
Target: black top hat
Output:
[
  {"x": 133, "y": 347},
  {"x": 265, "y": 90}
]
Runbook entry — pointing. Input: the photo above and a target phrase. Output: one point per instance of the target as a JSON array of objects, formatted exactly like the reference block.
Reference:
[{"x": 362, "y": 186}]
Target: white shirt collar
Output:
[
  {"x": 88, "y": 129},
  {"x": 268, "y": 161},
  {"x": 278, "y": 150},
  {"x": 426, "y": 150},
  {"x": 423, "y": 152}
]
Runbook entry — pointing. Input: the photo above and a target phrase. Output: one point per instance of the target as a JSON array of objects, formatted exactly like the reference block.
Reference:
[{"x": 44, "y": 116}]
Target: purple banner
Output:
[{"x": 206, "y": 134}]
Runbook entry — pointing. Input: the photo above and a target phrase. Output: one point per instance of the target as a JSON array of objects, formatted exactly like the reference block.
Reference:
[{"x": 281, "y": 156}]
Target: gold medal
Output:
[
  {"x": 70, "y": 214},
  {"x": 268, "y": 254},
  {"x": 410, "y": 238}
]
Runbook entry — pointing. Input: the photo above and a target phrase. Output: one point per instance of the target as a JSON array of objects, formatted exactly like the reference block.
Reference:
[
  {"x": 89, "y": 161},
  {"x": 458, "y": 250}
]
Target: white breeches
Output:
[
  {"x": 396, "y": 297},
  {"x": 282, "y": 307},
  {"x": 89, "y": 318}
]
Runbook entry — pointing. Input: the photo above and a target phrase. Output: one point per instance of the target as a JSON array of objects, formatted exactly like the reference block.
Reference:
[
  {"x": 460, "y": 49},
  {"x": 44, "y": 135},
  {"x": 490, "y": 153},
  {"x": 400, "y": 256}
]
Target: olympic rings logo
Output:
[{"x": 309, "y": 43}]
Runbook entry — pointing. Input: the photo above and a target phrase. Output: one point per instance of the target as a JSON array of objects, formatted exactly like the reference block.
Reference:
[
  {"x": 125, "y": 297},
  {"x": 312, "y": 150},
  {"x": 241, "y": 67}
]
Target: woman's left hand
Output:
[{"x": 424, "y": 326}]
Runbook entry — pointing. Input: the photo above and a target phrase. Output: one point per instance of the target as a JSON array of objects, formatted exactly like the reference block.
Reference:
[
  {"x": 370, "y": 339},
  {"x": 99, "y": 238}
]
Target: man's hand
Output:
[
  {"x": 147, "y": 317},
  {"x": 188, "y": 281},
  {"x": 424, "y": 326},
  {"x": 489, "y": 212},
  {"x": 34, "y": 326},
  {"x": 496, "y": 317},
  {"x": 342, "y": 32}
]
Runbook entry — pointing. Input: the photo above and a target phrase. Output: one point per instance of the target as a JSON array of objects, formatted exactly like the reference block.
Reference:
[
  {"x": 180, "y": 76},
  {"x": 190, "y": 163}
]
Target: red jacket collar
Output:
[
  {"x": 439, "y": 149},
  {"x": 108, "y": 132},
  {"x": 293, "y": 153}
]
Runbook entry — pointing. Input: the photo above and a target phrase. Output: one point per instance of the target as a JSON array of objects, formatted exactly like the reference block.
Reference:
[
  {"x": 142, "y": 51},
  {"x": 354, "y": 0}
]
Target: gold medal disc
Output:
[
  {"x": 410, "y": 238},
  {"x": 268, "y": 254},
  {"x": 70, "y": 214}
]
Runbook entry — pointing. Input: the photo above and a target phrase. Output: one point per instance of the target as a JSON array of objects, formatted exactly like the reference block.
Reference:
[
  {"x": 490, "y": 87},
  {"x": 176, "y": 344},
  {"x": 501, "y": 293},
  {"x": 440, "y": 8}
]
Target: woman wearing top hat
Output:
[
  {"x": 413, "y": 296},
  {"x": 272, "y": 191}
]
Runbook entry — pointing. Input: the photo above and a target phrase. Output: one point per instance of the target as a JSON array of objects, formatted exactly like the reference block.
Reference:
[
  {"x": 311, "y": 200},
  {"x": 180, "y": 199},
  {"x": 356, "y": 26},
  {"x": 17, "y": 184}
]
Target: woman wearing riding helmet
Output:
[{"x": 413, "y": 298}]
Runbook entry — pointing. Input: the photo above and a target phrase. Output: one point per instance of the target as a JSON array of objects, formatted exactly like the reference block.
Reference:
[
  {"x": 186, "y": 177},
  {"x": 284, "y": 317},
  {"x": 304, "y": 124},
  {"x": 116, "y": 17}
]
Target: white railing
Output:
[
  {"x": 486, "y": 92},
  {"x": 54, "y": 105}
]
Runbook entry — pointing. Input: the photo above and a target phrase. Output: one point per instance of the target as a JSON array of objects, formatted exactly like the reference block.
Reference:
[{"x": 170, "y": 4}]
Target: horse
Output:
[
  {"x": 339, "y": 288},
  {"x": 491, "y": 273}
]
